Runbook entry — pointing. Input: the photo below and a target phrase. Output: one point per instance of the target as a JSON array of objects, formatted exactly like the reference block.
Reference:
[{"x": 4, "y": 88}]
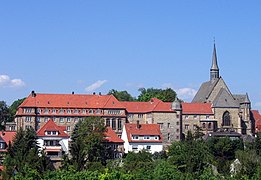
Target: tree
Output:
[
  {"x": 88, "y": 143},
  {"x": 224, "y": 150},
  {"x": 23, "y": 155},
  {"x": 121, "y": 95},
  {"x": 13, "y": 108},
  {"x": 190, "y": 156},
  {"x": 166, "y": 95},
  {"x": 4, "y": 114}
]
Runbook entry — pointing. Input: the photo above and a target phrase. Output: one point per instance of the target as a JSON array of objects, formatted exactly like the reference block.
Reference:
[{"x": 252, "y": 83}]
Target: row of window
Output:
[
  {"x": 112, "y": 123},
  {"x": 168, "y": 125},
  {"x": 69, "y": 111},
  {"x": 196, "y": 116},
  {"x": 145, "y": 137},
  {"x": 135, "y": 147},
  {"x": 60, "y": 119},
  {"x": 204, "y": 126}
]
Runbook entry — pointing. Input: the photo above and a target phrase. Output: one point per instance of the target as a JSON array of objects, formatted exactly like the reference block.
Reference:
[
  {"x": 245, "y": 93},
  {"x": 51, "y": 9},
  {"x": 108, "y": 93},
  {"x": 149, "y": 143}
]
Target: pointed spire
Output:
[
  {"x": 246, "y": 100},
  {"x": 214, "y": 70},
  {"x": 214, "y": 59}
]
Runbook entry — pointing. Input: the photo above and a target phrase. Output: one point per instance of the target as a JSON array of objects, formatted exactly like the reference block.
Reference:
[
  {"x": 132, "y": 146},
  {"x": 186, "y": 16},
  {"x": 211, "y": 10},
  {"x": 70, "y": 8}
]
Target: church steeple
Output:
[{"x": 214, "y": 71}]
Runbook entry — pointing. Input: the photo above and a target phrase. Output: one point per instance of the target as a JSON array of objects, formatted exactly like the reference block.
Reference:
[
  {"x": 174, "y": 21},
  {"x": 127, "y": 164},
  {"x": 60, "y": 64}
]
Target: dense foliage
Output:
[
  {"x": 189, "y": 159},
  {"x": 23, "y": 156},
  {"x": 166, "y": 95},
  {"x": 7, "y": 113}
]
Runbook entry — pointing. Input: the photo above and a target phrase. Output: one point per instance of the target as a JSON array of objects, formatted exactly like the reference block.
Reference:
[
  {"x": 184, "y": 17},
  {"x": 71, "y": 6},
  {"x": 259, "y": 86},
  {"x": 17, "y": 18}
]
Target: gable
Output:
[{"x": 224, "y": 99}]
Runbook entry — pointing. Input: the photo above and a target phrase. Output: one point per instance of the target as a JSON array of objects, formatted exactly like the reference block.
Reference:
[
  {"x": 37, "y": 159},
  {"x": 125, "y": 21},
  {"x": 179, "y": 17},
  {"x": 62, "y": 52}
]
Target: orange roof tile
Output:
[
  {"x": 111, "y": 136},
  {"x": 143, "y": 130},
  {"x": 197, "y": 108},
  {"x": 257, "y": 118},
  {"x": 8, "y": 136},
  {"x": 51, "y": 126},
  {"x": 72, "y": 101},
  {"x": 154, "y": 105}
]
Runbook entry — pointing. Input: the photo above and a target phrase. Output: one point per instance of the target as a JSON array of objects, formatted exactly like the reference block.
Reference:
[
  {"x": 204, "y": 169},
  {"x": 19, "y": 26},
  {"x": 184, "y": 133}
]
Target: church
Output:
[{"x": 232, "y": 111}]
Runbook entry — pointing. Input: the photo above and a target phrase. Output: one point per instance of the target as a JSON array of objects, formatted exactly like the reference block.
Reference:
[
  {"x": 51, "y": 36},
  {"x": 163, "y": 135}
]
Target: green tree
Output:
[
  {"x": 4, "y": 114},
  {"x": 13, "y": 108},
  {"x": 23, "y": 155},
  {"x": 166, "y": 95},
  {"x": 121, "y": 95},
  {"x": 190, "y": 156},
  {"x": 257, "y": 143},
  {"x": 223, "y": 149},
  {"x": 249, "y": 162},
  {"x": 88, "y": 143}
]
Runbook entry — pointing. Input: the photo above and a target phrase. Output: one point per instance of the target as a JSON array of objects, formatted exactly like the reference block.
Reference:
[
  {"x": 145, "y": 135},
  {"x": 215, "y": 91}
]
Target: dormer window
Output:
[
  {"x": 76, "y": 111},
  {"x": 156, "y": 137},
  {"x": 84, "y": 111},
  {"x": 45, "y": 111},
  {"x": 68, "y": 111},
  {"x": 135, "y": 137},
  {"x": 51, "y": 132},
  {"x": 53, "y": 111},
  {"x": 146, "y": 137},
  {"x": 61, "y": 111}
]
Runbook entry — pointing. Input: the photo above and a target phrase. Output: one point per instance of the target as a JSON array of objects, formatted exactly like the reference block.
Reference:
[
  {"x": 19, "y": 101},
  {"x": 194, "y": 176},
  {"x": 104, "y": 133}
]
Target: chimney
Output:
[
  {"x": 73, "y": 92},
  {"x": 33, "y": 94},
  {"x": 93, "y": 93},
  {"x": 99, "y": 93},
  {"x": 138, "y": 124}
]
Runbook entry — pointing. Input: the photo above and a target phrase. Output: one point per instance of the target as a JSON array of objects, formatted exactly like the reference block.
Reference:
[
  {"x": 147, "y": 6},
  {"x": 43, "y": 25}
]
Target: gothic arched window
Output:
[{"x": 226, "y": 119}]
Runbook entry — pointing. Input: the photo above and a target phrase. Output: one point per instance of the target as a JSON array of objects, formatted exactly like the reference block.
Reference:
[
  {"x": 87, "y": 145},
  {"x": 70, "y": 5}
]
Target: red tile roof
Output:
[
  {"x": 7, "y": 136},
  {"x": 257, "y": 118},
  {"x": 154, "y": 105},
  {"x": 197, "y": 108},
  {"x": 143, "y": 130},
  {"x": 51, "y": 126},
  {"x": 72, "y": 101},
  {"x": 111, "y": 136}
]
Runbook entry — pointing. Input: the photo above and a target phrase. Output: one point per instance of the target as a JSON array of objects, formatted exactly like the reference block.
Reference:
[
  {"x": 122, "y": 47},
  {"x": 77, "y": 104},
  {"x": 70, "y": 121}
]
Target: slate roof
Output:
[
  {"x": 224, "y": 99},
  {"x": 204, "y": 91}
]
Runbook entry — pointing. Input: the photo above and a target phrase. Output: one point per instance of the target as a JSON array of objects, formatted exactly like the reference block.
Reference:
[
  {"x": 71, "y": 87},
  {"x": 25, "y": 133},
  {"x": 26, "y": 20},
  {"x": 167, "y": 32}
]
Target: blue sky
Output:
[{"x": 85, "y": 46}]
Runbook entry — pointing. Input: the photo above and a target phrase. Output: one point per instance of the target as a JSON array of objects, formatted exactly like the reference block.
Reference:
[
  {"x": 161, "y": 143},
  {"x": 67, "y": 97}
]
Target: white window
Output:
[
  {"x": 45, "y": 119},
  {"x": 186, "y": 126},
  {"x": 39, "y": 110},
  {"x": 140, "y": 115},
  {"x": 91, "y": 111},
  {"x": 84, "y": 111},
  {"x": 195, "y": 116},
  {"x": 131, "y": 116},
  {"x": 46, "y": 111},
  {"x": 135, "y": 137},
  {"x": 54, "y": 111},
  {"x": 186, "y": 116},
  {"x": 76, "y": 119},
  {"x": 28, "y": 119},
  {"x": 61, "y": 111},
  {"x": 68, "y": 119},
  {"x": 134, "y": 147},
  {"x": 68, "y": 111},
  {"x": 68, "y": 128},
  {"x": 207, "y": 116},
  {"x": 76, "y": 111},
  {"x": 148, "y": 147},
  {"x": 156, "y": 137},
  {"x": 98, "y": 111},
  {"x": 38, "y": 119},
  {"x": 146, "y": 137},
  {"x": 168, "y": 125},
  {"x": 61, "y": 120}
]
